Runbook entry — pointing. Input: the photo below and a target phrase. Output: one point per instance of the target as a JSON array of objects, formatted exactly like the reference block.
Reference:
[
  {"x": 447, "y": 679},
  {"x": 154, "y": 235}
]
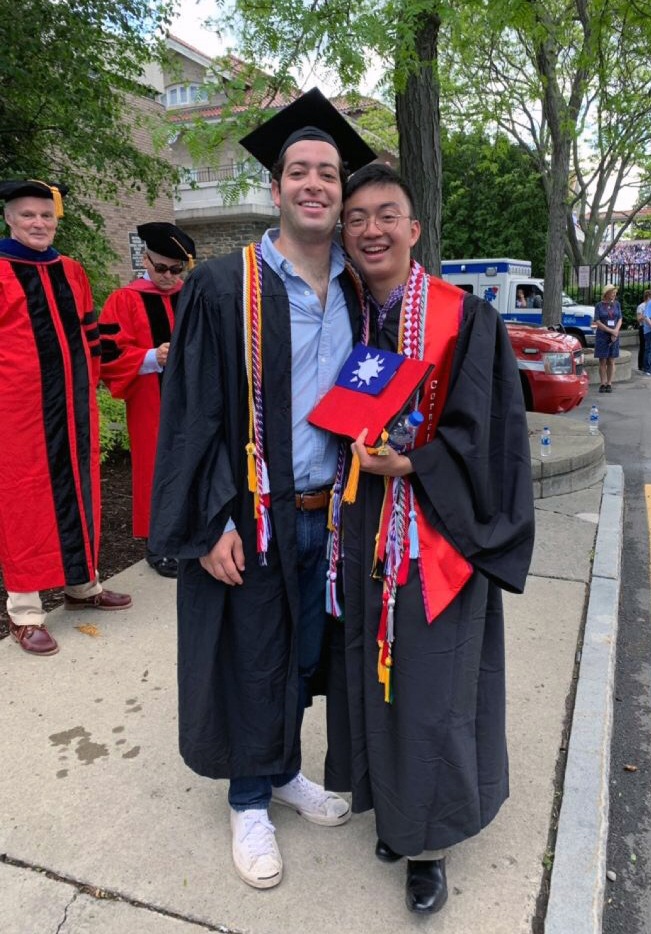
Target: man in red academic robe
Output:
[
  {"x": 49, "y": 459},
  {"x": 135, "y": 326}
]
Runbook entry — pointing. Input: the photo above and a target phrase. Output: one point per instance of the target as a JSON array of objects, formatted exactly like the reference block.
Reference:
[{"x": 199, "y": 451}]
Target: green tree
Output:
[
  {"x": 337, "y": 39},
  {"x": 493, "y": 200},
  {"x": 570, "y": 82},
  {"x": 568, "y": 79},
  {"x": 68, "y": 71}
]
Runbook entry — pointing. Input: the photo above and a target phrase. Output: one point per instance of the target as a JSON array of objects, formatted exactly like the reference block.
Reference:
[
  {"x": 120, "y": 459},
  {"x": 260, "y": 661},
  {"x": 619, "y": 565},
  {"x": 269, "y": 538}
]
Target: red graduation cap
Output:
[{"x": 373, "y": 389}]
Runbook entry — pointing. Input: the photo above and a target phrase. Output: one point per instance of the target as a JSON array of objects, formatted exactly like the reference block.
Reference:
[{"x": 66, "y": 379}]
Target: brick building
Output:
[
  {"x": 132, "y": 207},
  {"x": 217, "y": 223}
]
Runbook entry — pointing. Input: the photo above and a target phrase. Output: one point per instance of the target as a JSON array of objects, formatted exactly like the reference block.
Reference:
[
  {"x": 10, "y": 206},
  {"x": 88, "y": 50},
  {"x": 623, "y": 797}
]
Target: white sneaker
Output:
[
  {"x": 255, "y": 851},
  {"x": 312, "y": 802}
]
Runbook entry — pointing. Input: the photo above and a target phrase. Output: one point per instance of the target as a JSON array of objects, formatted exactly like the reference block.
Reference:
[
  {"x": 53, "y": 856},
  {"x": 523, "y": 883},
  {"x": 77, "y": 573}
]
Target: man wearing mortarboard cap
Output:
[
  {"x": 243, "y": 482},
  {"x": 135, "y": 328},
  {"x": 49, "y": 459}
]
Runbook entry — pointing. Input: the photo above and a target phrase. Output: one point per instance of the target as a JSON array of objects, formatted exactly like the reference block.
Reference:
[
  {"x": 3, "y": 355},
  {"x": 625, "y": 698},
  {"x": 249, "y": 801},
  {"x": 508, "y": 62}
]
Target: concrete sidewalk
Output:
[{"x": 104, "y": 830}]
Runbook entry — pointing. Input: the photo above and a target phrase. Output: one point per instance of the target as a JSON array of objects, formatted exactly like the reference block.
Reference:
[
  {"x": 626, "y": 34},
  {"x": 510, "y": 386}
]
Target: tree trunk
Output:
[
  {"x": 556, "y": 231},
  {"x": 418, "y": 121}
]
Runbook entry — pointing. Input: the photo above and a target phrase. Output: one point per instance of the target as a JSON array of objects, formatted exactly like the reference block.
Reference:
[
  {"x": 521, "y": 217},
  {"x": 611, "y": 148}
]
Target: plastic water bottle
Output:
[
  {"x": 594, "y": 420},
  {"x": 405, "y": 430},
  {"x": 545, "y": 442}
]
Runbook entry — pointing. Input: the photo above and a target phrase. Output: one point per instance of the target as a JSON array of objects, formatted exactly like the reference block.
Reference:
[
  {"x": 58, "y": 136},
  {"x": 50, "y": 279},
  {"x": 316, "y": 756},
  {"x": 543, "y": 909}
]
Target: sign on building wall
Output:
[{"x": 136, "y": 247}]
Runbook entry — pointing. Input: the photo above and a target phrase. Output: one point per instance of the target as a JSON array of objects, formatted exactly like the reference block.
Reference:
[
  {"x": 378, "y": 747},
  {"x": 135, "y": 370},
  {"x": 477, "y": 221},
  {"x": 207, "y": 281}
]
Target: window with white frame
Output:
[{"x": 180, "y": 95}]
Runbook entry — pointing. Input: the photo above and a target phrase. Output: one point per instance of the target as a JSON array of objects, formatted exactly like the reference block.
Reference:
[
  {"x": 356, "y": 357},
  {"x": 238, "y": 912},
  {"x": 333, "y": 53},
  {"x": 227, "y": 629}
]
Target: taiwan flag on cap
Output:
[{"x": 372, "y": 389}]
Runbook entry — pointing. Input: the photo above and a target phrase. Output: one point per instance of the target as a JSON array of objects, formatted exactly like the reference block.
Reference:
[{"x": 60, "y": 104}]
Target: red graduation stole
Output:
[{"x": 443, "y": 571}]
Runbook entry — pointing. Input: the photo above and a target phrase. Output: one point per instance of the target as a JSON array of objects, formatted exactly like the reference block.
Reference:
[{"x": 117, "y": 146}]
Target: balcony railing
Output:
[
  {"x": 225, "y": 173},
  {"x": 214, "y": 192}
]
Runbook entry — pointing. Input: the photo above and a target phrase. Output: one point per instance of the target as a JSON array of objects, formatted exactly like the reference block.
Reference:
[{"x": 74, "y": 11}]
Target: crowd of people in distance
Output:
[{"x": 631, "y": 251}]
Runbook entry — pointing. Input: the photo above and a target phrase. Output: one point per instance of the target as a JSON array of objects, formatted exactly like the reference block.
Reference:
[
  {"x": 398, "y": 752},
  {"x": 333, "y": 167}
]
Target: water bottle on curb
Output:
[
  {"x": 405, "y": 430},
  {"x": 594, "y": 420},
  {"x": 545, "y": 442}
]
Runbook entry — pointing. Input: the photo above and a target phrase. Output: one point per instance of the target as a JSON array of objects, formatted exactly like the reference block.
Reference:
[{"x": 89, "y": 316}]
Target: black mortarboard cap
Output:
[
  {"x": 168, "y": 240},
  {"x": 312, "y": 116},
  {"x": 33, "y": 188}
]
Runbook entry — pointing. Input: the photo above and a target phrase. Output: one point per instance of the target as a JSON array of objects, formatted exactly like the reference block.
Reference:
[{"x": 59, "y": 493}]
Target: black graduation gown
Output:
[
  {"x": 237, "y": 652},
  {"x": 434, "y": 763}
]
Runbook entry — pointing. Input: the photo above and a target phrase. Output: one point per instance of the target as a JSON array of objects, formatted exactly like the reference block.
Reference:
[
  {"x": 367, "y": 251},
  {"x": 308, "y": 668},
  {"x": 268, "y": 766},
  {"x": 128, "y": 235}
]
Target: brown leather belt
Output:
[{"x": 313, "y": 499}]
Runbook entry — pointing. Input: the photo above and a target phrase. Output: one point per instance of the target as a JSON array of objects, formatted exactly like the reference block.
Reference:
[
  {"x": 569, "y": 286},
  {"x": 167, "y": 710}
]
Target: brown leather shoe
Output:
[
  {"x": 35, "y": 640},
  {"x": 105, "y": 600}
]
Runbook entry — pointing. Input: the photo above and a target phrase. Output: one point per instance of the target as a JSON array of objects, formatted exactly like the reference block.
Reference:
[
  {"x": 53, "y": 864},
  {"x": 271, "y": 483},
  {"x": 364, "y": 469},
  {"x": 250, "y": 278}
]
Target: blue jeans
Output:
[
  {"x": 311, "y": 539},
  {"x": 647, "y": 352}
]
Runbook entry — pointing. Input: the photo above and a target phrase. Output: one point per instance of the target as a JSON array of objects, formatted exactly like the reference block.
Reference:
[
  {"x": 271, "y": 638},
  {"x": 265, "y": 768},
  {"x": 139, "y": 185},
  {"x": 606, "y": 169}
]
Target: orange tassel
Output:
[
  {"x": 350, "y": 493},
  {"x": 250, "y": 467},
  {"x": 58, "y": 201}
]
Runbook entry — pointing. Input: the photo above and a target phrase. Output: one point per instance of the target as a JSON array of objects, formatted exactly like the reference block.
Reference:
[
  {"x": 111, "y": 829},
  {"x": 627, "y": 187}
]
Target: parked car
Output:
[{"x": 551, "y": 368}]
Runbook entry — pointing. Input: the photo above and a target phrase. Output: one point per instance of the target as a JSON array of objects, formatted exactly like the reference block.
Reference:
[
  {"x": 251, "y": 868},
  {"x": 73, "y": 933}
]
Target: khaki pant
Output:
[{"x": 26, "y": 609}]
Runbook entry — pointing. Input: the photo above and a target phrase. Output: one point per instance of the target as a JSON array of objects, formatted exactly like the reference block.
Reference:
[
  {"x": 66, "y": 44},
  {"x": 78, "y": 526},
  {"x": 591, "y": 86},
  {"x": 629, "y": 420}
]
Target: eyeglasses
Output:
[
  {"x": 385, "y": 222},
  {"x": 161, "y": 268}
]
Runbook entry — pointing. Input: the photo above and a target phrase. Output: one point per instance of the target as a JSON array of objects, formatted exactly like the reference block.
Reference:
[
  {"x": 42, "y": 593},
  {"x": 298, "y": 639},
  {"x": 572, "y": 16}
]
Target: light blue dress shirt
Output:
[
  {"x": 149, "y": 363},
  {"x": 321, "y": 341}
]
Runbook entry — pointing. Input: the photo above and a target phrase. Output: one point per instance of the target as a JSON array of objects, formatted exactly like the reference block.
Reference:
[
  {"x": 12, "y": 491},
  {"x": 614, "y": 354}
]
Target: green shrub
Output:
[{"x": 113, "y": 434}]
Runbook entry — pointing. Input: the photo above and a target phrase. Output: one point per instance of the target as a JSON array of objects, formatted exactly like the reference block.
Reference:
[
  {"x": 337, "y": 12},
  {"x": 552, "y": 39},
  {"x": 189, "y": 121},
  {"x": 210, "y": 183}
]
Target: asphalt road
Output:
[{"x": 625, "y": 420}]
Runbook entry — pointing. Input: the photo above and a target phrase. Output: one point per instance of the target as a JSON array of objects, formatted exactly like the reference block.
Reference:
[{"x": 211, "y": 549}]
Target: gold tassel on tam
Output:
[
  {"x": 56, "y": 196},
  {"x": 58, "y": 201},
  {"x": 350, "y": 493},
  {"x": 189, "y": 258}
]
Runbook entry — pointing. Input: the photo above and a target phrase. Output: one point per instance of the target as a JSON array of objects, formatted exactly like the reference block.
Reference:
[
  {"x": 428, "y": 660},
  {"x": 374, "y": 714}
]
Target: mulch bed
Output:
[{"x": 118, "y": 549}]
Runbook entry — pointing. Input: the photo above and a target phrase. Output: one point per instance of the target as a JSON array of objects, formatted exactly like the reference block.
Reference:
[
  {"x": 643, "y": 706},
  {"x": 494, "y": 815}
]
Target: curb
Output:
[
  {"x": 623, "y": 366},
  {"x": 577, "y": 458},
  {"x": 579, "y": 875}
]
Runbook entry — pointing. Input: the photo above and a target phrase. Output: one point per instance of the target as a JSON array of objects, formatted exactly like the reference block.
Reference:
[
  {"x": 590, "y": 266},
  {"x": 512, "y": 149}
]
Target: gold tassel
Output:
[
  {"x": 350, "y": 493},
  {"x": 384, "y": 674},
  {"x": 387, "y": 682},
  {"x": 383, "y": 449},
  {"x": 56, "y": 196},
  {"x": 331, "y": 511},
  {"x": 188, "y": 257},
  {"x": 250, "y": 467},
  {"x": 58, "y": 201}
]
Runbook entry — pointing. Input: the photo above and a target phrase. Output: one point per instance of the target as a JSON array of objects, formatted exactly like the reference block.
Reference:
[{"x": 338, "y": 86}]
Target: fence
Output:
[
  {"x": 631, "y": 280},
  {"x": 225, "y": 173}
]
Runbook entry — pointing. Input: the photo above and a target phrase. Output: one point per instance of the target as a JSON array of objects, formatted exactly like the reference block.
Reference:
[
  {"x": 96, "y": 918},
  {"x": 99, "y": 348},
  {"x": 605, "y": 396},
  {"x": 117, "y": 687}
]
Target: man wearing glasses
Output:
[
  {"x": 136, "y": 325},
  {"x": 436, "y": 532}
]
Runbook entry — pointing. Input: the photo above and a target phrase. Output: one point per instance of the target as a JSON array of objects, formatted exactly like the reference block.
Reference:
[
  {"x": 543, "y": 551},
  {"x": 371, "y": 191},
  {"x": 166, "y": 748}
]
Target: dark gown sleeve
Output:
[
  {"x": 473, "y": 481},
  {"x": 193, "y": 481}
]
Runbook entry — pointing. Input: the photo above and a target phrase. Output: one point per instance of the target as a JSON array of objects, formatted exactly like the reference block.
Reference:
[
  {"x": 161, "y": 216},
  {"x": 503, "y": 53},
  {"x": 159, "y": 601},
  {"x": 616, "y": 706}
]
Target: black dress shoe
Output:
[
  {"x": 427, "y": 887},
  {"x": 384, "y": 852},
  {"x": 166, "y": 567}
]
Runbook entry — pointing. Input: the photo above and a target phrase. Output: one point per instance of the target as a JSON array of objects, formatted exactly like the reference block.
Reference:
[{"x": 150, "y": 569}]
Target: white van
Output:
[{"x": 508, "y": 284}]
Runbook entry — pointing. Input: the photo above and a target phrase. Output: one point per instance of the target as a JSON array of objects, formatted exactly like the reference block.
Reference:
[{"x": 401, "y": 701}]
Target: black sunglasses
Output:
[{"x": 161, "y": 268}]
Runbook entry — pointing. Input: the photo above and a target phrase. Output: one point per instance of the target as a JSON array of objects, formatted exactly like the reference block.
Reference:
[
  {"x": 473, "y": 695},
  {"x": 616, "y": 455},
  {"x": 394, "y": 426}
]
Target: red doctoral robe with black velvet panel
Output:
[
  {"x": 136, "y": 319},
  {"x": 49, "y": 457}
]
